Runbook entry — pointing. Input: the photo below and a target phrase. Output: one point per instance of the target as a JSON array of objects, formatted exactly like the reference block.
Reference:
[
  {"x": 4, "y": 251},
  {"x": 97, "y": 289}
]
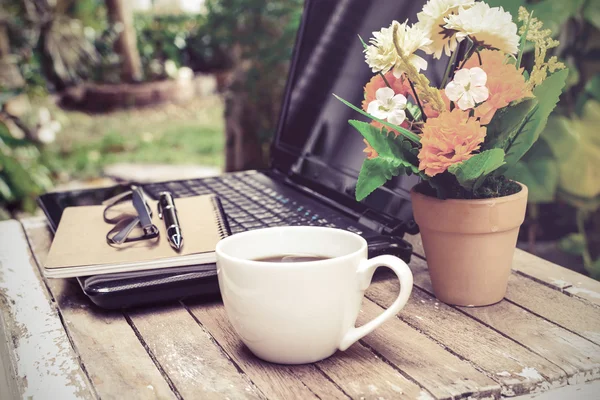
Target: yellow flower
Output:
[
  {"x": 431, "y": 20},
  {"x": 542, "y": 40},
  {"x": 448, "y": 139}
]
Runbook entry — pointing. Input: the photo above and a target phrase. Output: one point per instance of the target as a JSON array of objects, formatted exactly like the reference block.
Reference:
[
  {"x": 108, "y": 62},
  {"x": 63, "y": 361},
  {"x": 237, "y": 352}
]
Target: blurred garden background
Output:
[{"x": 89, "y": 84}]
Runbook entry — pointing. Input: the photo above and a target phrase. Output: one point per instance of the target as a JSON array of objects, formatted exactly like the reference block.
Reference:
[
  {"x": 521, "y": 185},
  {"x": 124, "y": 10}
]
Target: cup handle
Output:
[{"x": 365, "y": 272}]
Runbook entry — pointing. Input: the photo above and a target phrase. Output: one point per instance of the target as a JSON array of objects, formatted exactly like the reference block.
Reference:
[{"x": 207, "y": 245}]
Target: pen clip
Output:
[{"x": 159, "y": 209}]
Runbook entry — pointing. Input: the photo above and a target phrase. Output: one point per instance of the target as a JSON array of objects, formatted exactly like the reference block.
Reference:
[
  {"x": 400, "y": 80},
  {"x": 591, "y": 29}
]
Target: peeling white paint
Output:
[
  {"x": 531, "y": 373},
  {"x": 395, "y": 388},
  {"x": 559, "y": 283},
  {"x": 503, "y": 373},
  {"x": 45, "y": 362}
]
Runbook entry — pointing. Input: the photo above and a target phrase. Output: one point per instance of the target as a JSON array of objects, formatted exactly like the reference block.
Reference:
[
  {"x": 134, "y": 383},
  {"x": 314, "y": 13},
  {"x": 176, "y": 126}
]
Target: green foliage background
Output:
[{"x": 563, "y": 167}]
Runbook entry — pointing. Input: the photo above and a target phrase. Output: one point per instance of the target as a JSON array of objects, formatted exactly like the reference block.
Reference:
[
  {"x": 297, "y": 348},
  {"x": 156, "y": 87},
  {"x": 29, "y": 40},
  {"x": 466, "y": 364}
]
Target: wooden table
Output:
[{"x": 545, "y": 336}]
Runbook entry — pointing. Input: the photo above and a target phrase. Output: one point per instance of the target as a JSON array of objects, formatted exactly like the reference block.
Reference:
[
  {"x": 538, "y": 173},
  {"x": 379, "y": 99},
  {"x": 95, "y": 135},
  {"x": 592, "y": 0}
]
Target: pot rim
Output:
[{"x": 504, "y": 199}]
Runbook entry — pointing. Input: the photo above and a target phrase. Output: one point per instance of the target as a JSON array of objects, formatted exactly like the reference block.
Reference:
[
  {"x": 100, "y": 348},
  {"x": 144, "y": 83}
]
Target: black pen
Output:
[{"x": 168, "y": 213}]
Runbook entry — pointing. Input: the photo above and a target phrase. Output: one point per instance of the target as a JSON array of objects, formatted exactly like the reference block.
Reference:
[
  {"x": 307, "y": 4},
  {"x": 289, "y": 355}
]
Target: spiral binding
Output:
[{"x": 222, "y": 223}]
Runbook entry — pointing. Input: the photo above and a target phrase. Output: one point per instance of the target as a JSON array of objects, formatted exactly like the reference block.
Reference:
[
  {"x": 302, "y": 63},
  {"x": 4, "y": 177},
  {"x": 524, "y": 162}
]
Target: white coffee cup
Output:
[{"x": 301, "y": 312}]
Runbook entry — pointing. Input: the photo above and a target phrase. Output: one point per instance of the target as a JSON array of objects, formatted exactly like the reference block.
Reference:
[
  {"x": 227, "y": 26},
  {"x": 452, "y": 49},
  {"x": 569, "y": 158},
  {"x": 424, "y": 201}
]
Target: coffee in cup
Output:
[{"x": 293, "y": 310}]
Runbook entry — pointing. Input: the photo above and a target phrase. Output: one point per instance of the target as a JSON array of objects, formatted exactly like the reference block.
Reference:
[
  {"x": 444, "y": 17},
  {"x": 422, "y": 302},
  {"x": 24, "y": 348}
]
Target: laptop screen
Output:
[{"x": 314, "y": 140}]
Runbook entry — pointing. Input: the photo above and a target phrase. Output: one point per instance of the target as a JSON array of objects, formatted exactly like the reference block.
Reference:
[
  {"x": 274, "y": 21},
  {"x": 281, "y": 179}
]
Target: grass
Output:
[{"x": 191, "y": 133}]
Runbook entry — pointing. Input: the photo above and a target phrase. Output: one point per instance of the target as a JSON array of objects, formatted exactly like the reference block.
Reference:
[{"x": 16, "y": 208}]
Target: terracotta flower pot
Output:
[{"x": 469, "y": 244}]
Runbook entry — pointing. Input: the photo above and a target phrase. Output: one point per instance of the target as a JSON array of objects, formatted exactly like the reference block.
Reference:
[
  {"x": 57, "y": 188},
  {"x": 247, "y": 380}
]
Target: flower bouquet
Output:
[{"x": 461, "y": 139}]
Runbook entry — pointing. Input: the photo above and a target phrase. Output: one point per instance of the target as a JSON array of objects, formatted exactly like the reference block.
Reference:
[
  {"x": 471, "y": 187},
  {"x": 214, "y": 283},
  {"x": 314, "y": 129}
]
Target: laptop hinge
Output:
[{"x": 369, "y": 218}]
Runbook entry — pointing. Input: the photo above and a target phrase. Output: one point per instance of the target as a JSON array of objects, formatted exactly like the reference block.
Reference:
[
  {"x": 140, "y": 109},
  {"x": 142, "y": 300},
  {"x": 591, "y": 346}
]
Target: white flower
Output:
[
  {"x": 431, "y": 20},
  {"x": 388, "y": 106},
  {"x": 468, "y": 88},
  {"x": 171, "y": 69},
  {"x": 381, "y": 54},
  {"x": 185, "y": 74},
  {"x": 488, "y": 26},
  {"x": 44, "y": 116},
  {"x": 46, "y": 135},
  {"x": 46, "y": 128}
]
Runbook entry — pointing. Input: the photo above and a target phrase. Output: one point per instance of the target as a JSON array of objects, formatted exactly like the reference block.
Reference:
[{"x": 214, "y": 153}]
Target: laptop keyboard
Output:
[{"x": 251, "y": 204}]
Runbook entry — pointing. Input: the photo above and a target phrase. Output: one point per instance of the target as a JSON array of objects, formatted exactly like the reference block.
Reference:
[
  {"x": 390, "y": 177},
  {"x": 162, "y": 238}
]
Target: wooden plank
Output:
[
  {"x": 569, "y": 312},
  {"x": 517, "y": 369},
  {"x": 9, "y": 388},
  {"x": 443, "y": 374},
  {"x": 588, "y": 391},
  {"x": 40, "y": 358},
  {"x": 115, "y": 360},
  {"x": 189, "y": 356},
  {"x": 542, "y": 271},
  {"x": 417, "y": 244},
  {"x": 274, "y": 381},
  {"x": 578, "y": 357},
  {"x": 357, "y": 372},
  {"x": 558, "y": 277},
  {"x": 361, "y": 374}
]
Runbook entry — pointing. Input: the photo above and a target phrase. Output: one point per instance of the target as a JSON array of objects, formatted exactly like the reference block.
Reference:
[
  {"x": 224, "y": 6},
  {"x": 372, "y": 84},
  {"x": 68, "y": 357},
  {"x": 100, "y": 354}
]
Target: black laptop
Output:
[{"x": 315, "y": 160}]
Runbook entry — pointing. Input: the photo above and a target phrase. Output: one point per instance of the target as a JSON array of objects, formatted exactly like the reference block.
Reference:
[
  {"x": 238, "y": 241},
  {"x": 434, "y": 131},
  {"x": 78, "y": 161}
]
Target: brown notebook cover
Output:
[{"x": 80, "y": 248}]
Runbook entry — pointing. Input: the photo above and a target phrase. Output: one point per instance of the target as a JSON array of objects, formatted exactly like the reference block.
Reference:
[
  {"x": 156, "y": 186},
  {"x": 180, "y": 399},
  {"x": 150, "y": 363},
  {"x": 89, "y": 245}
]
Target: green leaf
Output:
[
  {"x": 396, "y": 156},
  {"x": 506, "y": 124},
  {"x": 594, "y": 269},
  {"x": 522, "y": 41},
  {"x": 389, "y": 146},
  {"x": 410, "y": 135},
  {"x": 5, "y": 192},
  {"x": 576, "y": 145},
  {"x": 581, "y": 203},
  {"x": 573, "y": 243},
  {"x": 512, "y": 6},
  {"x": 17, "y": 178},
  {"x": 374, "y": 173},
  {"x": 414, "y": 110},
  {"x": 538, "y": 170},
  {"x": 591, "y": 90},
  {"x": 472, "y": 173},
  {"x": 547, "y": 95},
  {"x": 363, "y": 42},
  {"x": 554, "y": 13},
  {"x": 591, "y": 12},
  {"x": 574, "y": 75}
]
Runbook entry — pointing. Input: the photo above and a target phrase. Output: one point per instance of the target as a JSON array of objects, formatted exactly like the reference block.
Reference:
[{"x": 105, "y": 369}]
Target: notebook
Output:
[{"x": 80, "y": 248}]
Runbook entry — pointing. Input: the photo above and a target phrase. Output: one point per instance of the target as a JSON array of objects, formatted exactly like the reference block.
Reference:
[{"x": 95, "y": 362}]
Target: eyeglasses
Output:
[{"x": 132, "y": 217}]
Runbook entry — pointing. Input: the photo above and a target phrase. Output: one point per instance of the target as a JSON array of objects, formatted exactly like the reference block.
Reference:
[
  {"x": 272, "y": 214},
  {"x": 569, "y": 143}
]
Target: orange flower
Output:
[
  {"x": 448, "y": 139},
  {"x": 504, "y": 83},
  {"x": 371, "y": 152},
  {"x": 398, "y": 85},
  {"x": 430, "y": 112}
]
